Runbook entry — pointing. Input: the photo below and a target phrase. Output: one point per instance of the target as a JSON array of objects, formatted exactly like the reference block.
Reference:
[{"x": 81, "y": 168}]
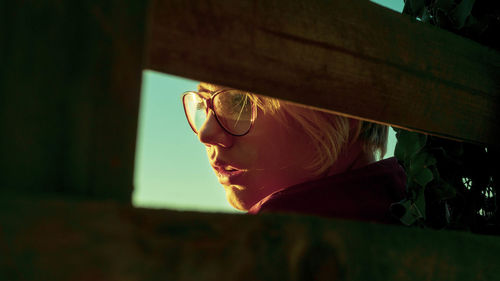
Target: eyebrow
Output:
[
  {"x": 202, "y": 89},
  {"x": 204, "y": 92},
  {"x": 209, "y": 85}
]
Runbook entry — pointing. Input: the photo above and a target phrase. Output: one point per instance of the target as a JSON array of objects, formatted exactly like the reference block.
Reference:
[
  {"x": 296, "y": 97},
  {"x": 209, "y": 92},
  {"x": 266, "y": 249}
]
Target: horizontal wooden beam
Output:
[
  {"x": 52, "y": 239},
  {"x": 354, "y": 58}
]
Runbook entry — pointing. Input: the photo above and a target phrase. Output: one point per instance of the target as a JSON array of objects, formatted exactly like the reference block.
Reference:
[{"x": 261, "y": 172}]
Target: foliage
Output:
[
  {"x": 449, "y": 184},
  {"x": 475, "y": 19},
  {"x": 418, "y": 164}
]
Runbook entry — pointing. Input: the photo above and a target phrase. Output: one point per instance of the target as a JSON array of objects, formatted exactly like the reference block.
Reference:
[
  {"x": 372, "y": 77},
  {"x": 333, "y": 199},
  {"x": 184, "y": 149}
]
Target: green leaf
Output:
[
  {"x": 399, "y": 152},
  {"x": 419, "y": 168},
  {"x": 420, "y": 202},
  {"x": 408, "y": 218},
  {"x": 412, "y": 214},
  {"x": 422, "y": 160},
  {"x": 444, "y": 5},
  {"x": 422, "y": 176},
  {"x": 444, "y": 190},
  {"x": 408, "y": 144},
  {"x": 414, "y": 7},
  {"x": 461, "y": 12}
]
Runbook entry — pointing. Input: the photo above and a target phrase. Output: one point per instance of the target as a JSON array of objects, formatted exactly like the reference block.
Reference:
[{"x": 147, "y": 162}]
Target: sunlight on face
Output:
[{"x": 250, "y": 167}]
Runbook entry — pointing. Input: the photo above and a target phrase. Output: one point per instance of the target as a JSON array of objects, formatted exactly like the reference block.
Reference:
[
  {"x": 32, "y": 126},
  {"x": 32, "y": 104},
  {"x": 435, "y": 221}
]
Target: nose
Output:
[{"x": 211, "y": 133}]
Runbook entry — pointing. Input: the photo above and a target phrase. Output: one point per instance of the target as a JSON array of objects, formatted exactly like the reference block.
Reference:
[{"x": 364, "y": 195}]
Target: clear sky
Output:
[{"x": 171, "y": 166}]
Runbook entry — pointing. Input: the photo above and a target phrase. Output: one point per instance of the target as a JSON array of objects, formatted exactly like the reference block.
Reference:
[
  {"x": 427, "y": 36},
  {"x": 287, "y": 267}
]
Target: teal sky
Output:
[{"x": 171, "y": 167}]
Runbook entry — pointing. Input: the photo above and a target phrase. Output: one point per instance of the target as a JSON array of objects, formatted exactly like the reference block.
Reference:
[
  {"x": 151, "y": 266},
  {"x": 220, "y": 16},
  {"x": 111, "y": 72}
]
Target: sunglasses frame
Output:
[{"x": 209, "y": 105}]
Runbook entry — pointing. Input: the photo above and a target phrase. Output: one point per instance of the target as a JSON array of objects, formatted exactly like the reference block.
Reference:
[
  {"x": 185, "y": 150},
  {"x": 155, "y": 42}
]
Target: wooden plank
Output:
[
  {"x": 69, "y": 95},
  {"x": 51, "y": 239},
  {"x": 354, "y": 58}
]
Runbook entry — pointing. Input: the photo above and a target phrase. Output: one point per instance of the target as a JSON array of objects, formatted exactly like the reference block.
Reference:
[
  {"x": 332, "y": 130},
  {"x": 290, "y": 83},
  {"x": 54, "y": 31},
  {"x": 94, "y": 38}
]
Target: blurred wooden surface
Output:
[
  {"x": 53, "y": 239},
  {"x": 70, "y": 83},
  {"x": 353, "y": 57}
]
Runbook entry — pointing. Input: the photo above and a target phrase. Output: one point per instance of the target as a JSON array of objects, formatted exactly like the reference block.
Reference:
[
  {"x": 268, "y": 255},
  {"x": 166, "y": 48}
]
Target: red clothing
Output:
[{"x": 362, "y": 194}]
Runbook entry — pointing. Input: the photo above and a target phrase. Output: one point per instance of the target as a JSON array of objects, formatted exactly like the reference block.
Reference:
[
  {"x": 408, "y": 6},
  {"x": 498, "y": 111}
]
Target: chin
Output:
[{"x": 235, "y": 198}]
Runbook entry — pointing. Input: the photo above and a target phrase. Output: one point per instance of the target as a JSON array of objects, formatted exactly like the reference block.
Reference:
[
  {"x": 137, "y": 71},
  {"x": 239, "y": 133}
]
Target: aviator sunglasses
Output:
[{"x": 233, "y": 110}]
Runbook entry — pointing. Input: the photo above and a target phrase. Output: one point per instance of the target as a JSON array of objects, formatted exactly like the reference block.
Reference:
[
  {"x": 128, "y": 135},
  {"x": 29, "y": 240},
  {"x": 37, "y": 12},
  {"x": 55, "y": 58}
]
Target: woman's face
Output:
[{"x": 250, "y": 167}]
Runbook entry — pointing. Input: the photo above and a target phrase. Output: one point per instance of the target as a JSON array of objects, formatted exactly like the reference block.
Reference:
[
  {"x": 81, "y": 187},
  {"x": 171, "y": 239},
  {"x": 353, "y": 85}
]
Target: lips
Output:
[
  {"x": 227, "y": 174},
  {"x": 226, "y": 170}
]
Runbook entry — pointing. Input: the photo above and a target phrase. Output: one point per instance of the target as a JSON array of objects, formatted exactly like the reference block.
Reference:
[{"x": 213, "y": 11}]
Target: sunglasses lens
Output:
[
  {"x": 195, "y": 111},
  {"x": 234, "y": 111}
]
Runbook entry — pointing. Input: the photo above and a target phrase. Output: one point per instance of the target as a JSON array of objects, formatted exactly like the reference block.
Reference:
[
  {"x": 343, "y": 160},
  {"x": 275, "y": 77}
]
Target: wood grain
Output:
[
  {"x": 354, "y": 58},
  {"x": 69, "y": 96},
  {"x": 86, "y": 240}
]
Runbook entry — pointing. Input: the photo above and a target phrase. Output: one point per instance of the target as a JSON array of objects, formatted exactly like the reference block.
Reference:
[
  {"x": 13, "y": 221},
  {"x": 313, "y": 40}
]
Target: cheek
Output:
[
  {"x": 259, "y": 148},
  {"x": 287, "y": 154},
  {"x": 266, "y": 151},
  {"x": 274, "y": 159},
  {"x": 273, "y": 151}
]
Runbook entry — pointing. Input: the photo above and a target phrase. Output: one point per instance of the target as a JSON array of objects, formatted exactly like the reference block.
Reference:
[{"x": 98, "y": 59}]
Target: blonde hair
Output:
[{"x": 329, "y": 133}]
